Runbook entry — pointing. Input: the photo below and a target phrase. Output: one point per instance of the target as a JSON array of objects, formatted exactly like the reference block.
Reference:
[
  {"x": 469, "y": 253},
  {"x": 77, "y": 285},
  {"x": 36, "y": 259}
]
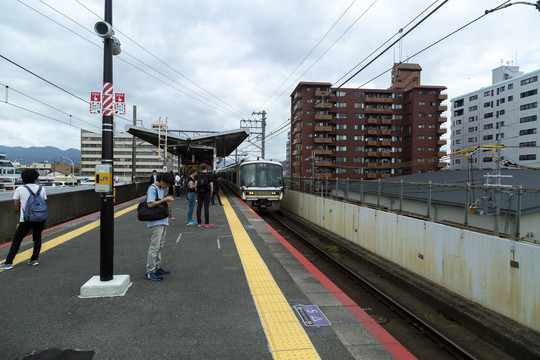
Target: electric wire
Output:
[
  {"x": 238, "y": 112},
  {"x": 308, "y": 54}
]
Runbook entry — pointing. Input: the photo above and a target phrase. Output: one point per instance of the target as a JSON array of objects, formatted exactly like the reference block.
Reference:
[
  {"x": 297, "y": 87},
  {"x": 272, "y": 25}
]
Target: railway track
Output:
[{"x": 396, "y": 317}]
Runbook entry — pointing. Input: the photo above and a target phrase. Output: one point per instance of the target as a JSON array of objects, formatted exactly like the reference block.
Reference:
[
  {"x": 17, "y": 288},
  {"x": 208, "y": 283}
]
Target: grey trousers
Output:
[{"x": 154, "y": 251}]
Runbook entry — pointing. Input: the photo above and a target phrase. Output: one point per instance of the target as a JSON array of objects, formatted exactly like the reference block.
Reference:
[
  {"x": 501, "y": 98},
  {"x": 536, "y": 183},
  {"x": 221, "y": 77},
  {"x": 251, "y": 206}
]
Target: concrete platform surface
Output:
[{"x": 218, "y": 301}]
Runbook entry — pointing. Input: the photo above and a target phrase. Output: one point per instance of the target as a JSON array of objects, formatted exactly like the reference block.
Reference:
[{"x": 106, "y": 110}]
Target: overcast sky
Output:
[{"x": 207, "y": 65}]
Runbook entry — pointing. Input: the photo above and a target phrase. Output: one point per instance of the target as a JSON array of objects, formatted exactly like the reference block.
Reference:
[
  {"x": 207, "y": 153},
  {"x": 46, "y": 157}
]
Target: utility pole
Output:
[
  {"x": 259, "y": 130},
  {"x": 133, "y": 148},
  {"x": 107, "y": 206}
]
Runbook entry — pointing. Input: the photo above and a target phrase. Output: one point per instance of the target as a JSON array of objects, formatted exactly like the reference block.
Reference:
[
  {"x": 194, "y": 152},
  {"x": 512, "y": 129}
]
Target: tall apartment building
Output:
[
  {"x": 147, "y": 155},
  {"x": 367, "y": 133},
  {"x": 504, "y": 113}
]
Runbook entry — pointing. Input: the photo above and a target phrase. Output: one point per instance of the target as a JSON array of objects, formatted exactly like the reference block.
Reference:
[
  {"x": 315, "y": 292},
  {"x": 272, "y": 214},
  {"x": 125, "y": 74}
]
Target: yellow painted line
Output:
[
  {"x": 286, "y": 336},
  {"x": 27, "y": 254}
]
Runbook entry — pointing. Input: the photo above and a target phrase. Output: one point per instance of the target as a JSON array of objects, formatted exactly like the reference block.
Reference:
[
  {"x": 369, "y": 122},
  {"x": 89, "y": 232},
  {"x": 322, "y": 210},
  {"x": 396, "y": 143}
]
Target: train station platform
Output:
[{"x": 236, "y": 290}]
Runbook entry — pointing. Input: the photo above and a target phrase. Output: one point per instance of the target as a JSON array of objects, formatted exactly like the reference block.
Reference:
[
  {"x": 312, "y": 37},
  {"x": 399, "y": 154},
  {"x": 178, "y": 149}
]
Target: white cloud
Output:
[{"x": 238, "y": 51}]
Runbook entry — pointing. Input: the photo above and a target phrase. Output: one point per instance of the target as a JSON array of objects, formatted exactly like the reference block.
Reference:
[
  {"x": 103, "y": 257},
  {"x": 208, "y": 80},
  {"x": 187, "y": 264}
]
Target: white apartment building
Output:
[
  {"x": 507, "y": 111},
  {"x": 147, "y": 156}
]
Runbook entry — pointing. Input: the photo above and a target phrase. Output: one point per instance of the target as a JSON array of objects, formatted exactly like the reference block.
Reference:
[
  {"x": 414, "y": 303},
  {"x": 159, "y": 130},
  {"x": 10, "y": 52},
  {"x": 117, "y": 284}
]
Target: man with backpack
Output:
[
  {"x": 205, "y": 186},
  {"x": 29, "y": 201}
]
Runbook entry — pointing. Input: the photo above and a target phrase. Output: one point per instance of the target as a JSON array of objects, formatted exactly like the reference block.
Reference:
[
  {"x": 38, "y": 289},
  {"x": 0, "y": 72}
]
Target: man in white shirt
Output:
[{"x": 20, "y": 198}]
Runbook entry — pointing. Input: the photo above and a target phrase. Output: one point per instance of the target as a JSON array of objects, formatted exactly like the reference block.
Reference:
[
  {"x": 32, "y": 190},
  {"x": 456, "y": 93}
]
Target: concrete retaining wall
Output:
[
  {"x": 473, "y": 265},
  {"x": 66, "y": 206}
]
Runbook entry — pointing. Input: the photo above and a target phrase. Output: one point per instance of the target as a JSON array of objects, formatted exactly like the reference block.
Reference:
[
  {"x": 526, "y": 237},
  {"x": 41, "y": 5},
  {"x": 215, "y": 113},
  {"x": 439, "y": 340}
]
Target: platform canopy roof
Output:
[{"x": 193, "y": 146}]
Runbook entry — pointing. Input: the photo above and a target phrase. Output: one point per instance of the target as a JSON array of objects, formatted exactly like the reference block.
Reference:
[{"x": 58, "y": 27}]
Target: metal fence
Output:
[{"x": 501, "y": 207}]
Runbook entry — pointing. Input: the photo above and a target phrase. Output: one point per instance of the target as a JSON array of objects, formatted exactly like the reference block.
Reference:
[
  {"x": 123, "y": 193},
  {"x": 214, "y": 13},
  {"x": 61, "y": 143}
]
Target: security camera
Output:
[
  {"x": 103, "y": 29},
  {"x": 116, "y": 49}
]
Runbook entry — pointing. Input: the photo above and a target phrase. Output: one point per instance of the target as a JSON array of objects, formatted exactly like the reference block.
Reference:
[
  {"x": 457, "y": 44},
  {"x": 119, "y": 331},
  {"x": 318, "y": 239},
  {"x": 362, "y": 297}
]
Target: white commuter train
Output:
[{"x": 258, "y": 182}]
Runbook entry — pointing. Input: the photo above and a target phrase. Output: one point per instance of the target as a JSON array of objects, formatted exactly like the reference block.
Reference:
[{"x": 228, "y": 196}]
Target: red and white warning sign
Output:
[
  {"x": 95, "y": 102},
  {"x": 120, "y": 103}
]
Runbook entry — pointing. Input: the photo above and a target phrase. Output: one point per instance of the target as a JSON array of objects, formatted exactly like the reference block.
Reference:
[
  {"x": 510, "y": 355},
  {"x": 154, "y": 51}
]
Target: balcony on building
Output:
[
  {"x": 323, "y": 93},
  {"x": 441, "y": 142},
  {"x": 297, "y": 107},
  {"x": 442, "y": 97},
  {"x": 386, "y": 143},
  {"x": 442, "y": 108},
  {"x": 372, "y": 143},
  {"x": 323, "y": 128},
  {"x": 441, "y": 153},
  {"x": 323, "y": 152},
  {"x": 323, "y": 176},
  {"x": 373, "y": 132},
  {"x": 386, "y": 121},
  {"x": 297, "y": 96},
  {"x": 322, "y": 140},
  {"x": 441, "y": 165},
  {"x": 441, "y": 119},
  {"x": 297, "y": 152},
  {"x": 378, "y": 99},
  {"x": 324, "y": 105},
  {"x": 324, "y": 164},
  {"x": 441, "y": 131},
  {"x": 297, "y": 141},
  {"x": 296, "y": 164},
  {"x": 373, "y": 121},
  {"x": 324, "y": 116},
  {"x": 378, "y": 110},
  {"x": 297, "y": 129}
]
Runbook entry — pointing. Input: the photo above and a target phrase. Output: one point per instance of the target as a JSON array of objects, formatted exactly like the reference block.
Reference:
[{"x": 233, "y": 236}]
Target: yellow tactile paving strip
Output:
[{"x": 285, "y": 334}]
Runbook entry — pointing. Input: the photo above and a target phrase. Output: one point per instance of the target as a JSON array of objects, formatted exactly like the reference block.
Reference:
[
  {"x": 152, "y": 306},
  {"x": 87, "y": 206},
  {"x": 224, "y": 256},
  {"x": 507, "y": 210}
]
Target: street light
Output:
[
  {"x": 72, "y": 168},
  {"x": 537, "y": 6}
]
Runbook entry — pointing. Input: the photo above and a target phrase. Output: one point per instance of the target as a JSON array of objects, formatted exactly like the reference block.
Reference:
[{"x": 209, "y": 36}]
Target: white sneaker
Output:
[
  {"x": 5, "y": 266},
  {"x": 33, "y": 262}
]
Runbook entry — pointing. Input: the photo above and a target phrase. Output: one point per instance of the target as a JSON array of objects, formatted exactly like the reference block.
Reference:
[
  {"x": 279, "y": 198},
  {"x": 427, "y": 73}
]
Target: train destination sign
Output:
[{"x": 311, "y": 315}]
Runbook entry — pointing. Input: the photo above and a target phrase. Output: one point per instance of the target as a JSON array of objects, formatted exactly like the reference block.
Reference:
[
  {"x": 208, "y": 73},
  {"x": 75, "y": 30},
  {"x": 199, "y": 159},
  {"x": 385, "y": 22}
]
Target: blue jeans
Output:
[{"x": 191, "y": 205}]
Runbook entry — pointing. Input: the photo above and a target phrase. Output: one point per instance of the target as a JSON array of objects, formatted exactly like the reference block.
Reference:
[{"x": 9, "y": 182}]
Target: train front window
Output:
[{"x": 261, "y": 175}]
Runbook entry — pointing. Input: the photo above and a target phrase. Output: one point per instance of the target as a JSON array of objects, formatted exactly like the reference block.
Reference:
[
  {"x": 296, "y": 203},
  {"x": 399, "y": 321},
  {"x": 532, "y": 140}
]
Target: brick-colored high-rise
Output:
[{"x": 367, "y": 133}]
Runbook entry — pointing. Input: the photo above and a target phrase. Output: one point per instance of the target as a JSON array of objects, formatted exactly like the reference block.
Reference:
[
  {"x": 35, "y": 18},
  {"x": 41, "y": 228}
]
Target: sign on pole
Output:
[
  {"x": 120, "y": 103},
  {"x": 95, "y": 102}
]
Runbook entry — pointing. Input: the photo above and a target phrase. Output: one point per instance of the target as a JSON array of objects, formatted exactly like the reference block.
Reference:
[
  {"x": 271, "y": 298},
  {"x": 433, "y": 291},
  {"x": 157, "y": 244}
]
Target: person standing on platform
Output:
[
  {"x": 191, "y": 195},
  {"x": 153, "y": 177},
  {"x": 156, "y": 196},
  {"x": 205, "y": 186},
  {"x": 215, "y": 192},
  {"x": 177, "y": 184},
  {"x": 20, "y": 197}
]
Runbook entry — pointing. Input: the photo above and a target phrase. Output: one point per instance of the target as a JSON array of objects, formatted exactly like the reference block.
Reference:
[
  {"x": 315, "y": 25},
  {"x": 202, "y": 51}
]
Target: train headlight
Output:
[
  {"x": 251, "y": 193},
  {"x": 274, "y": 193}
]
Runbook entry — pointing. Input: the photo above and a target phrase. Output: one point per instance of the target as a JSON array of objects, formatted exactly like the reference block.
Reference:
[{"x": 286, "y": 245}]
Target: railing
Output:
[{"x": 486, "y": 207}]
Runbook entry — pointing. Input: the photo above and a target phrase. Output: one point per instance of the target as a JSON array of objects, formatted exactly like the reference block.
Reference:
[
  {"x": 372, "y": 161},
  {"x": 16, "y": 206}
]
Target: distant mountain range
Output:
[{"x": 27, "y": 156}]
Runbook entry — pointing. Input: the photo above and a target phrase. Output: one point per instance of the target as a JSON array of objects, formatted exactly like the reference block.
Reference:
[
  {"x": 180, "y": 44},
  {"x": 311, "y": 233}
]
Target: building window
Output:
[
  {"x": 458, "y": 112},
  {"x": 422, "y": 103},
  {"x": 359, "y": 116},
  {"x": 341, "y": 105},
  {"x": 527, "y": 106},
  {"x": 309, "y": 101},
  {"x": 488, "y": 137},
  {"x": 473, "y": 128},
  {"x": 527, "y": 157},
  {"x": 358, "y": 160},
  {"x": 309, "y": 89},
  {"x": 341, "y": 148},
  {"x": 341, "y": 93},
  {"x": 527, "y": 119},
  {"x": 457, "y": 142},
  {"x": 341, "y": 159},
  {"x": 421, "y": 148},
  {"x": 471, "y": 119},
  {"x": 488, "y": 126},
  {"x": 431, "y": 126},
  {"x": 488, "y": 115},
  {"x": 510, "y": 86},
  {"x": 457, "y": 132},
  {"x": 527, "y": 132},
  {"x": 457, "y": 161},
  {"x": 421, "y": 114},
  {"x": 341, "y": 126},
  {"x": 421, "y": 137},
  {"x": 359, "y": 94},
  {"x": 529, "y": 80},
  {"x": 486, "y": 93},
  {"x": 510, "y": 98},
  {"x": 458, "y": 103},
  {"x": 357, "y": 170},
  {"x": 473, "y": 108},
  {"x": 487, "y": 159},
  {"x": 527, "y": 144},
  {"x": 341, "y": 137},
  {"x": 358, "y": 138},
  {"x": 528, "y": 93},
  {"x": 341, "y": 116},
  {"x": 309, "y": 124},
  {"x": 431, "y": 137},
  {"x": 473, "y": 97},
  {"x": 341, "y": 171},
  {"x": 421, "y": 126}
]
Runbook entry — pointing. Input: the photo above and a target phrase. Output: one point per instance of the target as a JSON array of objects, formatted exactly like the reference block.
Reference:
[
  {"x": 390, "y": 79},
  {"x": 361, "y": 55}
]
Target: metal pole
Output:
[
  {"x": 263, "y": 132},
  {"x": 467, "y": 202},
  {"x": 133, "y": 148},
  {"x": 362, "y": 190},
  {"x": 429, "y": 201},
  {"x": 378, "y": 192},
  {"x": 107, "y": 209},
  {"x": 518, "y": 211},
  {"x": 401, "y": 196},
  {"x": 347, "y": 188}
]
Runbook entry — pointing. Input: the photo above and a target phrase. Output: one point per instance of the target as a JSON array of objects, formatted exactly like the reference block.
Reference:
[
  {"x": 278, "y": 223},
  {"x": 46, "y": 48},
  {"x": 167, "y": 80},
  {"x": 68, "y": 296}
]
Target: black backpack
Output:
[{"x": 203, "y": 186}]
